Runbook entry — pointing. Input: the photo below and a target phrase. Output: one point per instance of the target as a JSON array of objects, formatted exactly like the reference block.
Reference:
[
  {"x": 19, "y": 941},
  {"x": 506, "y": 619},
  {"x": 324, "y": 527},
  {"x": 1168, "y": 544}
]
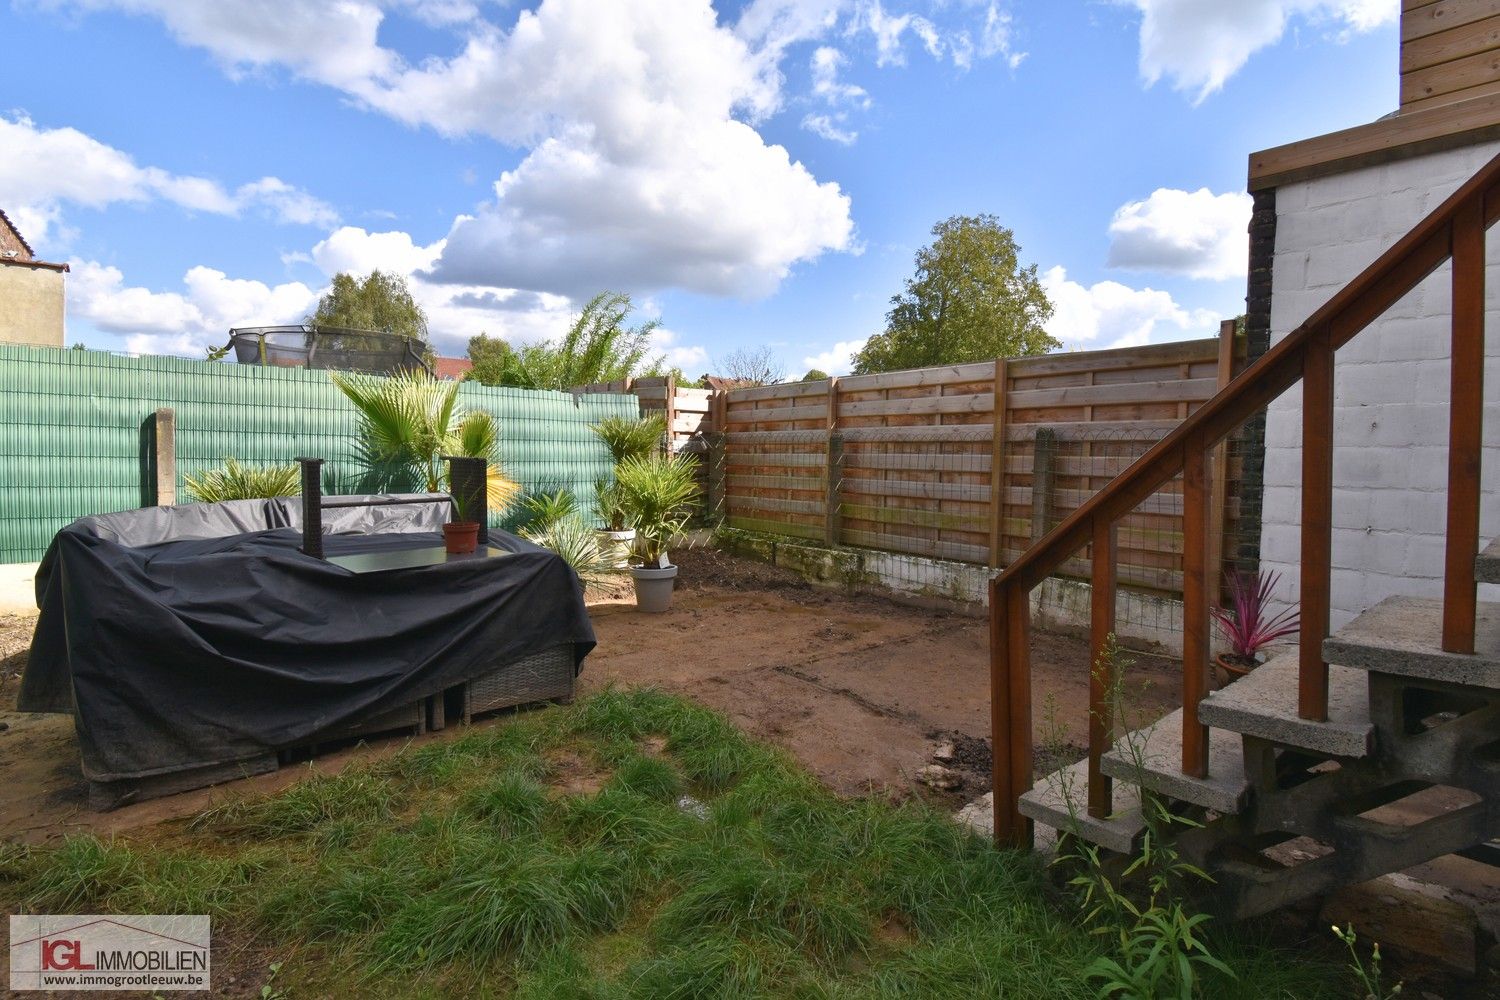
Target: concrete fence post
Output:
[{"x": 165, "y": 444}]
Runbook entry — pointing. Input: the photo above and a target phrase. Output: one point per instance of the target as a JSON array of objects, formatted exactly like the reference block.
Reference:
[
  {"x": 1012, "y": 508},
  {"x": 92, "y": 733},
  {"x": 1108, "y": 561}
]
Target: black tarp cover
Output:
[{"x": 201, "y": 634}]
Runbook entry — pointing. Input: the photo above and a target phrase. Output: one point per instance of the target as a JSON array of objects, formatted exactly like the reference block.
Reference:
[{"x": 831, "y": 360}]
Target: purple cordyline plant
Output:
[{"x": 1246, "y": 625}]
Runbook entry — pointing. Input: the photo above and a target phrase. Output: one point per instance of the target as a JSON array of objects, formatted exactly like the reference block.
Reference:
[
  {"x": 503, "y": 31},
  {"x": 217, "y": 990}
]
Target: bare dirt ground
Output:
[{"x": 859, "y": 689}]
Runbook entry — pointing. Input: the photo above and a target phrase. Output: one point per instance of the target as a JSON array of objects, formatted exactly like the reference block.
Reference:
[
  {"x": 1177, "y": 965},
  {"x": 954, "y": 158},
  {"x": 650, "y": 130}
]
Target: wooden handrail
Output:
[{"x": 1455, "y": 229}]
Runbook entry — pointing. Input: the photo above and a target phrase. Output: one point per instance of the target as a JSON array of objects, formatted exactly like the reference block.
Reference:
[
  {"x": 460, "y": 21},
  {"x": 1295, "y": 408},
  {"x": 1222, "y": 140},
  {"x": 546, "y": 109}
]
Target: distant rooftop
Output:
[{"x": 16, "y": 252}]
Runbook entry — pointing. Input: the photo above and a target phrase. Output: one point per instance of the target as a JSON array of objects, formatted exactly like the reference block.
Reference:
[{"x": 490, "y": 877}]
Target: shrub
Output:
[{"x": 234, "y": 481}]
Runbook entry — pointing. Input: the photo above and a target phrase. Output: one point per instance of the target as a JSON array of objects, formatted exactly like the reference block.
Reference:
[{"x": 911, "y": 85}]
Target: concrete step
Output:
[
  {"x": 1264, "y": 704},
  {"x": 1060, "y": 800},
  {"x": 1225, "y": 790},
  {"x": 1400, "y": 636},
  {"x": 1487, "y": 563}
]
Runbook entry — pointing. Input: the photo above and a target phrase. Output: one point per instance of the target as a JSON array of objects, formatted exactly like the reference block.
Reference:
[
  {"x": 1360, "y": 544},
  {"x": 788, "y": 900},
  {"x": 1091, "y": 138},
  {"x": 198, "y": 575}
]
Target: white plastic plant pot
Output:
[
  {"x": 653, "y": 588},
  {"x": 619, "y": 543}
]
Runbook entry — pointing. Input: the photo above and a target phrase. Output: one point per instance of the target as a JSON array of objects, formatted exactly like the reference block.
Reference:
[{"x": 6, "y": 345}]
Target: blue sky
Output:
[{"x": 754, "y": 172}]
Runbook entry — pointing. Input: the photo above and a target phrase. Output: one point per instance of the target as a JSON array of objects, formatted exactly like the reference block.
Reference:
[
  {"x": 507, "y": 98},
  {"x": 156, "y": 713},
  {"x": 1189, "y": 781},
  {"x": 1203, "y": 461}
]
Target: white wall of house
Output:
[{"x": 1391, "y": 400}]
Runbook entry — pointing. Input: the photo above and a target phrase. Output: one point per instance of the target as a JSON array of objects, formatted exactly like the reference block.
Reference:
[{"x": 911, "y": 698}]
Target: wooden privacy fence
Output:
[{"x": 925, "y": 462}]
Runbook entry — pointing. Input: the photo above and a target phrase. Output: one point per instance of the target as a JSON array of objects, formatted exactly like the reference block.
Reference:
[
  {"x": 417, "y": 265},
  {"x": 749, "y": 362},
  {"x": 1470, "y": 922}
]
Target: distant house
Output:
[
  {"x": 31, "y": 292},
  {"x": 451, "y": 369}
]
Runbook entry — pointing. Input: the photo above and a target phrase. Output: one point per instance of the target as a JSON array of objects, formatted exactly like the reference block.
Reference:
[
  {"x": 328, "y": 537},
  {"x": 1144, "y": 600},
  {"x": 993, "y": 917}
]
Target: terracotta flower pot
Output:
[
  {"x": 460, "y": 537},
  {"x": 1230, "y": 668}
]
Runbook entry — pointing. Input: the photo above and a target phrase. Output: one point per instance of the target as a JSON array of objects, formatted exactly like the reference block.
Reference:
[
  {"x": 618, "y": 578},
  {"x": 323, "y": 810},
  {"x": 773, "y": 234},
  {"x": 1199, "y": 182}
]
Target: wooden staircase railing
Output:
[{"x": 1456, "y": 231}]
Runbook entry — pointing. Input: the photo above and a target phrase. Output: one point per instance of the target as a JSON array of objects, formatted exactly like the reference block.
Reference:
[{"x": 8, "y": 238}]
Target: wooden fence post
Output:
[
  {"x": 997, "y": 465},
  {"x": 835, "y": 466},
  {"x": 166, "y": 456},
  {"x": 671, "y": 404},
  {"x": 1043, "y": 475},
  {"x": 716, "y": 474}
]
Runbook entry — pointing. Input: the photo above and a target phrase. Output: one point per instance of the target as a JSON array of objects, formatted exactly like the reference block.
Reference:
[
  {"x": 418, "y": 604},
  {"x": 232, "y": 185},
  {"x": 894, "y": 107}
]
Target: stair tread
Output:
[
  {"x": 1060, "y": 800},
  {"x": 1224, "y": 790},
  {"x": 1487, "y": 563},
  {"x": 1264, "y": 704},
  {"x": 1401, "y": 635}
]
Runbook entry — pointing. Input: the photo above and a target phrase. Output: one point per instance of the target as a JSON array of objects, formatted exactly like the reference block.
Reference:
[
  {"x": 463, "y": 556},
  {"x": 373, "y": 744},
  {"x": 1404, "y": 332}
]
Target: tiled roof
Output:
[
  {"x": 451, "y": 368},
  {"x": 12, "y": 227}
]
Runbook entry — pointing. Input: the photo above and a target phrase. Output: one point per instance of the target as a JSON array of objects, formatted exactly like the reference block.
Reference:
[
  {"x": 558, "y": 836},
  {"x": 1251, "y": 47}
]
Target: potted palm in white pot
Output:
[
  {"x": 657, "y": 493},
  {"x": 626, "y": 438}
]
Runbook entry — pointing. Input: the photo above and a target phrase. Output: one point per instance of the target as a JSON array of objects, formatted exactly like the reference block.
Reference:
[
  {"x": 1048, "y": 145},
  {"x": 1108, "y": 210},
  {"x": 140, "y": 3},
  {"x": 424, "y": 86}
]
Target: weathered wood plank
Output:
[
  {"x": 1454, "y": 43},
  {"x": 1192, "y": 390},
  {"x": 976, "y": 462},
  {"x": 978, "y": 371},
  {"x": 915, "y": 518},
  {"x": 774, "y": 459},
  {"x": 1432, "y": 18},
  {"x": 785, "y": 390},
  {"x": 978, "y": 403},
  {"x": 917, "y": 546},
  {"x": 1150, "y": 356},
  {"x": 773, "y": 414},
  {"x": 776, "y": 504},
  {"x": 775, "y": 527},
  {"x": 862, "y": 486},
  {"x": 807, "y": 483}
]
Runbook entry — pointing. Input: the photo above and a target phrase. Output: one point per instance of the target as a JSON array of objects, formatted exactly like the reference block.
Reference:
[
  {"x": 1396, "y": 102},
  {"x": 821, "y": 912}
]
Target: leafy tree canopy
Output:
[
  {"x": 814, "y": 375},
  {"x": 598, "y": 347},
  {"x": 971, "y": 299},
  {"x": 378, "y": 301}
]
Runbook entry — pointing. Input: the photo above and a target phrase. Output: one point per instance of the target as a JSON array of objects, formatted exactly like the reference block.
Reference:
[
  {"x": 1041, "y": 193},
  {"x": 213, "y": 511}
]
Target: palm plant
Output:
[
  {"x": 546, "y": 509},
  {"x": 628, "y": 437},
  {"x": 658, "y": 493},
  {"x": 407, "y": 422},
  {"x": 573, "y": 539},
  {"x": 609, "y": 502},
  {"x": 244, "y": 482}
]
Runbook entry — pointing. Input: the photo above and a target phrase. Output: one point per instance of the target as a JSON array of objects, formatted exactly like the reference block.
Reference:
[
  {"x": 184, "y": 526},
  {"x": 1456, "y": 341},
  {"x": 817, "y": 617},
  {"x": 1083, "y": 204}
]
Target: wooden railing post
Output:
[
  {"x": 1465, "y": 424},
  {"x": 1010, "y": 712},
  {"x": 1101, "y": 664},
  {"x": 1196, "y": 574},
  {"x": 1317, "y": 524}
]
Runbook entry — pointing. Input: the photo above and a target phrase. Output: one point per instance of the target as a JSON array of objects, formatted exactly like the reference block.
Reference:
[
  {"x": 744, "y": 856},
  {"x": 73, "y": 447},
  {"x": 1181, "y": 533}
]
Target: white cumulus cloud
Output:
[
  {"x": 1194, "y": 233},
  {"x": 44, "y": 168},
  {"x": 180, "y": 322},
  {"x": 1197, "y": 45},
  {"x": 1109, "y": 314},
  {"x": 838, "y": 359}
]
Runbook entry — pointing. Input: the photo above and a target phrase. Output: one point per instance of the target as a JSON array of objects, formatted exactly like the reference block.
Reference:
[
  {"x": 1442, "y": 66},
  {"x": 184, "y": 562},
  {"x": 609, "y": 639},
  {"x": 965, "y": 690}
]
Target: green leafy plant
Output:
[
  {"x": 244, "y": 482},
  {"x": 628, "y": 437},
  {"x": 1371, "y": 983},
  {"x": 609, "y": 501},
  {"x": 407, "y": 422},
  {"x": 573, "y": 539},
  {"x": 658, "y": 493},
  {"x": 597, "y": 347},
  {"x": 546, "y": 509},
  {"x": 1158, "y": 947}
]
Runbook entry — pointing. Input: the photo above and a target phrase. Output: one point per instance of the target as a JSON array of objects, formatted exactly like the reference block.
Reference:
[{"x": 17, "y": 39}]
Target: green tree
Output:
[
  {"x": 815, "y": 375},
  {"x": 378, "y": 301},
  {"x": 971, "y": 299},
  {"x": 490, "y": 355},
  {"x": 598, "y": 347}
]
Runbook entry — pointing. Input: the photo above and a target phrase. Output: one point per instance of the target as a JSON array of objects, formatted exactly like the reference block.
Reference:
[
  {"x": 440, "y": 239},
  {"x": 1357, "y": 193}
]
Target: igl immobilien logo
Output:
[{"x": 100, "y": 952}]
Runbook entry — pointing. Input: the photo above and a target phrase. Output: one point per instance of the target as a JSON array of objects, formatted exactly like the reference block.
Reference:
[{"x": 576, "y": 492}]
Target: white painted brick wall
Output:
[{"x": 1390, "y": 405}]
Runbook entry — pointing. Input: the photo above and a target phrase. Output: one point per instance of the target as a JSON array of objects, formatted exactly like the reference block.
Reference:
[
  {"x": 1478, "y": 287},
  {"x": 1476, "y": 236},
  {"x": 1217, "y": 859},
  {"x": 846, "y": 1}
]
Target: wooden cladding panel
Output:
[{"x": 920, "y": 471}]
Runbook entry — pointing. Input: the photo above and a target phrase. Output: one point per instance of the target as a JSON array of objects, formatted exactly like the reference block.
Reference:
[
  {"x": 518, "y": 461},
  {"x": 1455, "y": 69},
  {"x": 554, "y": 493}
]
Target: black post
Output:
[
  {"x": 467, "y": 482},
  {"x": 312, "y": 506}
]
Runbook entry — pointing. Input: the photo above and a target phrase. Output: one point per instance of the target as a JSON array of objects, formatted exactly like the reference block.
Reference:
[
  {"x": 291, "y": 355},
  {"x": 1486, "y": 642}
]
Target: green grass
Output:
[{"x": 464, "y": 867}]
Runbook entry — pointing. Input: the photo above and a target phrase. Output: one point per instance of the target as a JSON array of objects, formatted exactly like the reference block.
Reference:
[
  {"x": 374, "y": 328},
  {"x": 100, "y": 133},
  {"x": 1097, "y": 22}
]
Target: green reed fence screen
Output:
[{"x": 75, "y": 432}]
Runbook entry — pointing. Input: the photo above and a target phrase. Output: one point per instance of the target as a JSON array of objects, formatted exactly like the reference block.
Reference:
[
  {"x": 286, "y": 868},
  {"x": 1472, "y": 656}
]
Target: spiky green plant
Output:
[
  {"x": 658, "y": 493},
  {"x": 244, "y": 482},
  {"x": 545, "y": 509},
  {"x": 574, "y": 540},
  {"x": 609, "y": 502},
  {"x": 631, "y": 437},
  {"x": 407, "y": 422}
]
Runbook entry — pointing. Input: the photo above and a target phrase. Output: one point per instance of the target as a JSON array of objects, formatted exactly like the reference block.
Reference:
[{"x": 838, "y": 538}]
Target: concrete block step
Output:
[
  {"x": 1401, "y": 636},
  {"x": 1487, "y": 563},
  {"x": 1060, "y": 800},
  {"x": 1159, "y": 747},
  {"x": 1264, "y": 704}
]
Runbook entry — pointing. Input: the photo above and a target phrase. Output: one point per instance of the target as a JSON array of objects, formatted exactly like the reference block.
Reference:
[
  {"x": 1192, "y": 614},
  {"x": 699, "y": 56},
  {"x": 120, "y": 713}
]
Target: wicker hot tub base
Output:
[{"x": 547, "y": 675}]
